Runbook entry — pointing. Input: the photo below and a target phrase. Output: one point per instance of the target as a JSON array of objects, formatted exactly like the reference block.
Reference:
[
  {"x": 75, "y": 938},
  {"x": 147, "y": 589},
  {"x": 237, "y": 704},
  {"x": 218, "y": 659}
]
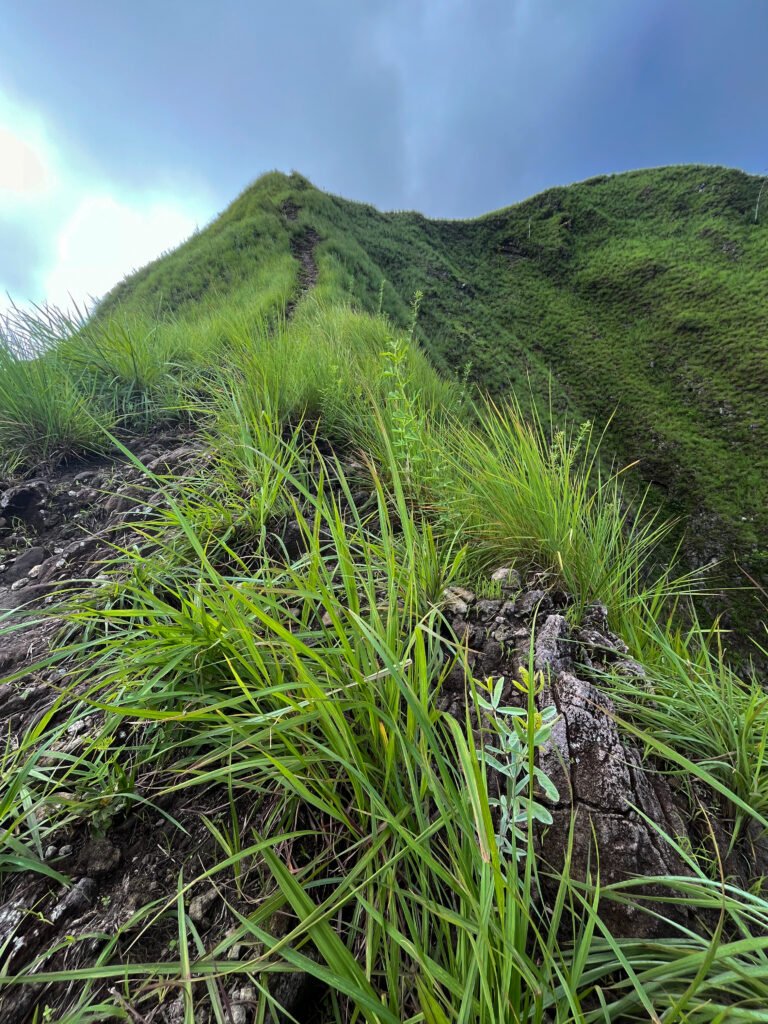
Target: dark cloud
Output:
[
  {"x": 451, "y": 106},
  {"x": 529, "y": 95},
  {"x": 156, "y": 92}
]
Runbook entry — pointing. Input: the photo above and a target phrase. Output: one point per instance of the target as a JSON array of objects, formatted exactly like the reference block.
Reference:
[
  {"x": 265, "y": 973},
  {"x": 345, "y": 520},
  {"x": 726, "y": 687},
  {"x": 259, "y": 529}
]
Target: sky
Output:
[{"x": 127, "y": 124}]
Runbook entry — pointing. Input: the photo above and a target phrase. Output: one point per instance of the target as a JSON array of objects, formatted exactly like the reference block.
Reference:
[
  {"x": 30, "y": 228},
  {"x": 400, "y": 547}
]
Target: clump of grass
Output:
[
  {"x": 311, "y": 681},
  {"x": 305, "y": 677},
  {"x": 542, "y": 498},
  {"x": 338, "y": 365},
  {"x": 692, "y": 700},
  {"x": 136, "y": 367},
  {"x": 47, "y": 413}
]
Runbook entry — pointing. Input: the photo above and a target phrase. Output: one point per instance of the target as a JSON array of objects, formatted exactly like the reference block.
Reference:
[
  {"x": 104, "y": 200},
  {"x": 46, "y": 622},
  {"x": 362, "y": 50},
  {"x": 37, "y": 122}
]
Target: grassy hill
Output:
[
  {"x": 637, "y": 299},
  {"x": 333, "y": 692}
]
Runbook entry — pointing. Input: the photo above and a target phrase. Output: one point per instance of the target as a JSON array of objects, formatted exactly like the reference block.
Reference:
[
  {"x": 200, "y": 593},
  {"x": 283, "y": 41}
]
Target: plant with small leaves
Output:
[
  {"x": 519, "y": 733},
  {"x": 402, "y": 404},
  {"x": 465, "y": 384}
]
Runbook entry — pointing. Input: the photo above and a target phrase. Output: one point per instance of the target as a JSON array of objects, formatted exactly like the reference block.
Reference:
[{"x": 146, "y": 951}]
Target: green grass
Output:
[
  {"x": 694, "y": 702},
  {"x": 315, "y": 688},
  {"x": 540, "y": 494},
  {"x": 306, "y": 680},
  {"x": 48, "y": 411},
  {"x": 276, "y": 629},
  {"x": 632, "y": 300}
]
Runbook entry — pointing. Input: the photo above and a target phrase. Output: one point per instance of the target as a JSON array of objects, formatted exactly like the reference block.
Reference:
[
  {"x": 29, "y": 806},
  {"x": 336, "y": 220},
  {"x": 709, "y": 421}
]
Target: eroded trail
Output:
[{"x": 303, "y": 250}]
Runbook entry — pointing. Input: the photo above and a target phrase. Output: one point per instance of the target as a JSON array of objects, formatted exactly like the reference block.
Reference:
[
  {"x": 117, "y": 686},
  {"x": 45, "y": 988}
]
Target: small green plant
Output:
[
  {"x": 402, "y": 406},
  {"x": 519, "y": 733},
  {"x": 465, "y": 384}
]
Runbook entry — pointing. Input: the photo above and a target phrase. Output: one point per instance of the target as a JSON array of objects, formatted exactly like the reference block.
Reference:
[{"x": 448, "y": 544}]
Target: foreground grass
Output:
[{"x": 304, "y": 681}]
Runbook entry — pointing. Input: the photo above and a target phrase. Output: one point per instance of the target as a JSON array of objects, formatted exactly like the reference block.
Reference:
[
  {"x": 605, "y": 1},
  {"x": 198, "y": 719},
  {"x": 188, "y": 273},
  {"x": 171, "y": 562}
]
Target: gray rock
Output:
[
  {"x": 243, "y": 1004},
  {"x": 174, "y": 1012},
  {"x": 629, "y": 667},
  {"x": 120, "y": 502},
  {"x": 531, "y": 601},
  {"x": 50, "y": 567},
  {"x": 456, "y": 600},
  {"x": 486, "y": 609},
  {"x": 84, "y": 476},
  {"x": 98, "y": 857},
  {"x": 27, "y": 560},
  {"x": 29, "y": 594},
  {"x": 601, "y": 780},
  {"x": 199, "y": 905},
  {"x": 26, "y": 502},
  {"x": 618, "y": 808},
  {"x": 508, "y": 577},
  {"x": 599, "y": 642},
  {"x": 551, "y": 647},
  {"x": 79, "y": 899}
]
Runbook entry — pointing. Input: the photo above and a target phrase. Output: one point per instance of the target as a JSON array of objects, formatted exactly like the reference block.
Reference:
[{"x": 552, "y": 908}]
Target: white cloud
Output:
[
  {"x": 106, "y": 238},
  {"x": 22, "y": 167},
  {"x": 91, "y": 233}
]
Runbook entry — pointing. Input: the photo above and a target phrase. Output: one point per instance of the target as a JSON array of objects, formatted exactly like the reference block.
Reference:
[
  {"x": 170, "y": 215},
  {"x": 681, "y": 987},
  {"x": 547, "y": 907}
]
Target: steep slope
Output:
[{"x": 638, "y": 298}]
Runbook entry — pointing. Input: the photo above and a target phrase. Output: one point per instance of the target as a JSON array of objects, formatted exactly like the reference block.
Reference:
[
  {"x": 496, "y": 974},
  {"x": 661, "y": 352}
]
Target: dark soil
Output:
[
  {"x": 303, "y": 250},
  {"x": 57, "y": 532}
]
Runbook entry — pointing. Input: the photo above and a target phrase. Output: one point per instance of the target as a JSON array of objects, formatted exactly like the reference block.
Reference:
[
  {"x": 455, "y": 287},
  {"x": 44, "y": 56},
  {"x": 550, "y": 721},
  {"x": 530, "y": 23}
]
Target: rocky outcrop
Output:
[
  {"x": 57, "y": 530},
  {"x": 613, "y": 809}
]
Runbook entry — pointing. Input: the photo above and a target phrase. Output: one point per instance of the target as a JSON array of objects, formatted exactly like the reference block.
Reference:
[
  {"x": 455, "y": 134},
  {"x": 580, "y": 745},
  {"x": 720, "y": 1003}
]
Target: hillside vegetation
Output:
[
  {"x": 635, "y": 300},
  {"x": 336, "y": 691}
]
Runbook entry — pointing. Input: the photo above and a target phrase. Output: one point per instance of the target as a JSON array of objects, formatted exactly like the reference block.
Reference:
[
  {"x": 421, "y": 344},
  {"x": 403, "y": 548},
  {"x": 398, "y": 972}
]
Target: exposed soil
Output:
[
  {"x": 56, "y": 528},
  {"x": 303, "y": 250}
]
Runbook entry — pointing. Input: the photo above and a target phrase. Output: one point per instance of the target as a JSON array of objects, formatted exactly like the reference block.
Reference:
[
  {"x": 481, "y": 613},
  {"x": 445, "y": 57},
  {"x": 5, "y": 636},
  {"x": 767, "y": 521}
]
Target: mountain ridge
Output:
[{"x": 632, "y": 299}]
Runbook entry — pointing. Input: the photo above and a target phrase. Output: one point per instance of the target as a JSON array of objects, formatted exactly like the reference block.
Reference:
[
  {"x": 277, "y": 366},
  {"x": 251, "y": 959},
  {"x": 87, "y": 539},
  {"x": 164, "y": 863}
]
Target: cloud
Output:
[
  {"x": 22, "y": 251},
  {"x": 215, "y": 93},
  {"x": 22, "y": 170},
  {"x": 68, "y": 236},
  {"x": 452, "y": 108},
  {"x": 105, "y": 239}
]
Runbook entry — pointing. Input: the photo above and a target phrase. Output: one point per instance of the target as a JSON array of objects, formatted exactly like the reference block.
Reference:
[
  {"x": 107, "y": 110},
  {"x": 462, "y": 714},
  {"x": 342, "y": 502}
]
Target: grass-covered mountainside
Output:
[
  {"x": 639, "y": 299},
  {"x": 335, "y": 690}
]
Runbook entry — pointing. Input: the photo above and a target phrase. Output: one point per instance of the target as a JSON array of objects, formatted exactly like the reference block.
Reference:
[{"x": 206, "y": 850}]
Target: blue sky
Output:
[{"x": 126, "y": 124}]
